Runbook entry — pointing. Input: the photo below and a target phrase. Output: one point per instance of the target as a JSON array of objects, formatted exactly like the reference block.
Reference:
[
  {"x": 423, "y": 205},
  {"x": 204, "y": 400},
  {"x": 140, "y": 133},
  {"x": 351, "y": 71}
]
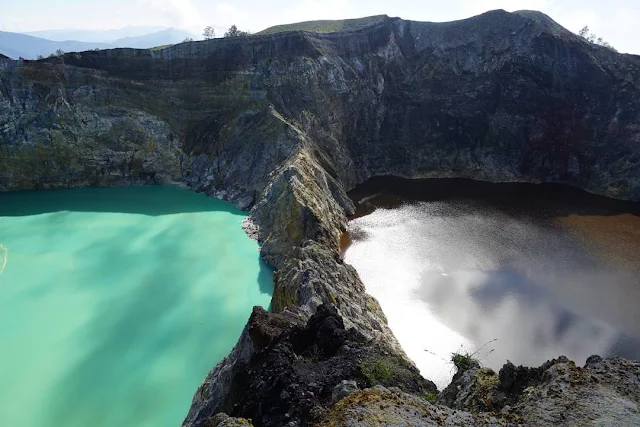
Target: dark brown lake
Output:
[{"x": 545, "y": 270}]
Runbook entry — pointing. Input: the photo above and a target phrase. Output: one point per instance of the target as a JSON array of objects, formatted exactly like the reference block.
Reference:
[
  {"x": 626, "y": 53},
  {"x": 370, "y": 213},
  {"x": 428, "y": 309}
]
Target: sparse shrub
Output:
[
  {"x": 233, "y": 31},
  {"x": 209, "y": 33},
  {"x": 586, "y": 33},
  {"x": 462, "y": 361},
  {"x": 431, "y": 397},
  {"x": 376, "y": 373}
]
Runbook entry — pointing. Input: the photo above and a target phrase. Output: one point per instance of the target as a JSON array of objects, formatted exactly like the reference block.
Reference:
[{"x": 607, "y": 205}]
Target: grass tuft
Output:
[
  {"x": 376, "y": 373},
  {"x": 431, "y": 397},
  {"x": 463, "y": 360}
]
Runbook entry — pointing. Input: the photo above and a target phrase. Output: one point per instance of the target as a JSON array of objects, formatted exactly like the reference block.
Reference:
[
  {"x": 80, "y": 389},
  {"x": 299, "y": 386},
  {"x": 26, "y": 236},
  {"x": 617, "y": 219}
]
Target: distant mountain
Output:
[
  {"x": 159, "y": 38},
  {"x": 102, "y": 36},
  {"x": 16, "y": 45}
]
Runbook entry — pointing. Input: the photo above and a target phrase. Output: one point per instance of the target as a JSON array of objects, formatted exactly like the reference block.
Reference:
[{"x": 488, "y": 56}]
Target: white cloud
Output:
[
  {"x": 312, "y": 10},
  {"x": 477, "y": 7},
  {"x": 226, "y": 15},
  {"x": 178, "y": 13}
]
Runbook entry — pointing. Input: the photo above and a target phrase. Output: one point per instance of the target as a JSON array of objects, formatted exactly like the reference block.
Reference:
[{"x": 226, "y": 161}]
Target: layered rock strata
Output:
[{"x": 282, "y": 125}]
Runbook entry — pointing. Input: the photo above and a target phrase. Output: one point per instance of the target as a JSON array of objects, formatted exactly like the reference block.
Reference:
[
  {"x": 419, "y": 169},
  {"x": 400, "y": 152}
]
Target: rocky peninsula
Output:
[{"x": 282, "y": 125}]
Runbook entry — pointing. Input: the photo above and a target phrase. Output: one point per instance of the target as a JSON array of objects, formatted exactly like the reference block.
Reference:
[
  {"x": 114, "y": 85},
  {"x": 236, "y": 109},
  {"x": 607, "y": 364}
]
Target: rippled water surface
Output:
[
  {"x": 544, "y": 270},
  {"x": 115, "y": 303}
]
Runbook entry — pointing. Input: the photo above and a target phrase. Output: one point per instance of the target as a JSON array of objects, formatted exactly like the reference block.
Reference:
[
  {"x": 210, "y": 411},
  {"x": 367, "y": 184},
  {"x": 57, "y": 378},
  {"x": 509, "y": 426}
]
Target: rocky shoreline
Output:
[{"x": 283, "y": 125}]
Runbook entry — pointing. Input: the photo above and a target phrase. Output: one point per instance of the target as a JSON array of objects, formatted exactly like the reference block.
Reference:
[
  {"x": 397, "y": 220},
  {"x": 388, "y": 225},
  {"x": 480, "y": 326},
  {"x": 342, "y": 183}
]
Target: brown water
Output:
[{"x": 546, "y": 270}]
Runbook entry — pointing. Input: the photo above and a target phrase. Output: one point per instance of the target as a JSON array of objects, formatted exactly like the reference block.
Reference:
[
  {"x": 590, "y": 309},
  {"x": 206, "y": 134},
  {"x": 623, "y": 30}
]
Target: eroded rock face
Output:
[
  {"x": 603, "y": 392},
  {"x": 284, "y": 124},
  {"x": 293, "y": 371},
  {"x": 383, "y": 406}
]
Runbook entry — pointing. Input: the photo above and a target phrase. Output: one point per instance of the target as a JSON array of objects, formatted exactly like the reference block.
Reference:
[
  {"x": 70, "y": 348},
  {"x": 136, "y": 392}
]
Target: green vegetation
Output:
[
  {"x": 431, "y": 397},
  {"x": 233, "y": 31},
  {"x": 462, "y": 361},
  {"x": 327, "y": 26},
  {"x": 164, "y": 46},
  {"x": 376, "y": 373},
  {"x": 57, "y": 53},
  {"x": 586, "y": 33},
  {"x": 209, "y": 33}
]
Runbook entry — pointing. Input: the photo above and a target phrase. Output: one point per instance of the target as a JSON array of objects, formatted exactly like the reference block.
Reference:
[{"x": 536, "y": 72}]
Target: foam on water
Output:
[{"x": 117, "y": 302}]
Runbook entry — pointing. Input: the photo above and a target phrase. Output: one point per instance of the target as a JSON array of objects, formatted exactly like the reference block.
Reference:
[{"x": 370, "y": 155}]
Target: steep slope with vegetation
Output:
[{"x": 283, "y": 124}]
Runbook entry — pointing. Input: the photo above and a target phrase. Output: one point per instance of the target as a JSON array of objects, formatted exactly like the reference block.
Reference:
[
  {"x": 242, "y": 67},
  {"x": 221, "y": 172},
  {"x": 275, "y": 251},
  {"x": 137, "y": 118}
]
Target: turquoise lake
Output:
[{"x": 116, "y": 302}]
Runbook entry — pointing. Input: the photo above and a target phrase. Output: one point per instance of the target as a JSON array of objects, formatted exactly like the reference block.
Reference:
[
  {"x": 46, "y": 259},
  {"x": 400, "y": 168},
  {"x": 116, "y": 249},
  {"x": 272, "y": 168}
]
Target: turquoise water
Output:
[{"x": 115, "y": 303}]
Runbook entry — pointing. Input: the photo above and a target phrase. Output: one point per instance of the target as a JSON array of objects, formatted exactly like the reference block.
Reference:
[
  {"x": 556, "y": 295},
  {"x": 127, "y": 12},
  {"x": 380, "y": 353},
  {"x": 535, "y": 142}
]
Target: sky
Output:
[{"x": 613, "y": 20}]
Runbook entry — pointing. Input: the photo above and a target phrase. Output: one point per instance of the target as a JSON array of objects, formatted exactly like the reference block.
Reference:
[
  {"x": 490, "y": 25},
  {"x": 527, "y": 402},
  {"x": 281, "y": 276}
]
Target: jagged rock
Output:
[
  {"x": 382, "y": 406},
  {"x": 474, "y": 389},
  {"x": 284, "y": 124},
  {"x": 514, "y": 379},
  {"x": 604, "y": 392},
  {"x": 223, "y": 420},
  {"x": 261, "y": 330},
  {"x": 292, "y": 379}
]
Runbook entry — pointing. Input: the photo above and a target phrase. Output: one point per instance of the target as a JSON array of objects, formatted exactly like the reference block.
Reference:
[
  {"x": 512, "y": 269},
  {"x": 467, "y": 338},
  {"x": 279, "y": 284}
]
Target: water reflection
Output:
[{"x": 465, "y": 270}]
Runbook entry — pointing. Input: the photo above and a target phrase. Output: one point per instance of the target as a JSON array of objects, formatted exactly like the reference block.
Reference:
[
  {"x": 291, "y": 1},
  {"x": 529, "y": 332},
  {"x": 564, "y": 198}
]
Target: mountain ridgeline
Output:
[
  {"x": 31, "y": 46},
  {"x": 284, "y": 124}
]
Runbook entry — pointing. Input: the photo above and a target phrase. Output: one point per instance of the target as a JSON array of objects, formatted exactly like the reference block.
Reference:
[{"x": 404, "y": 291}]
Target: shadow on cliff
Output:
[
  {"x": 265, "y": 279},
  {"x": 143, "y": 200}
]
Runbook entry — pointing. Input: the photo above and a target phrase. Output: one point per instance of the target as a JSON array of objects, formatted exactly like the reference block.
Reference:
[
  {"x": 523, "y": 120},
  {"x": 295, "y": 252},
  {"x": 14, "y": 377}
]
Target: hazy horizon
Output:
[{"x": 614, "y": 21}]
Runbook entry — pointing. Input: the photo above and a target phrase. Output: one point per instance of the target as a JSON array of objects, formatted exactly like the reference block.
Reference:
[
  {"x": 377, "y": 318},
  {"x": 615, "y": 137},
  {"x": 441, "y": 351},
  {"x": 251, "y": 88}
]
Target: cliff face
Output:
[{"x": 284, "y": 124}]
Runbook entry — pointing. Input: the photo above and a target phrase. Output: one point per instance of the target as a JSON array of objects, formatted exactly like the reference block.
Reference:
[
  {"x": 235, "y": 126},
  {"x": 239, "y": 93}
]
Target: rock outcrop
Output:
[
  {"x": 603, "y": 392},
  {"x": 285, "y": 124},
  {"x": 292, "y": 375}
]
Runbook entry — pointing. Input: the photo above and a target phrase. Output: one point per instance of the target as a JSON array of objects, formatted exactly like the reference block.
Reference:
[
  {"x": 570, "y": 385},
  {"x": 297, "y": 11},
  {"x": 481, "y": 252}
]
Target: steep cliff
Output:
[{"x": 283, "y": 124}]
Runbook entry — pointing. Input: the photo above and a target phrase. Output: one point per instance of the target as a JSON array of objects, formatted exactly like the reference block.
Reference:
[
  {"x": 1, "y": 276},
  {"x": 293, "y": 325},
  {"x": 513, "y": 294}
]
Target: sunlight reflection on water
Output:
[
  {"x": 455, "y": 274},
  {"x": 4, "y": 256}
]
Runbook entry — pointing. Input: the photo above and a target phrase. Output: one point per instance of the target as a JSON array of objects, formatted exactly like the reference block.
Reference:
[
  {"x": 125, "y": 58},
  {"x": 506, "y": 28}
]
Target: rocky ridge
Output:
[{"x": 284, "y": 124}]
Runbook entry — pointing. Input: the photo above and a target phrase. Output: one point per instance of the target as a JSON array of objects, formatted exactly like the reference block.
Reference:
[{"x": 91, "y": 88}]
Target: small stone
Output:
[{"x": 344, "y": 389}]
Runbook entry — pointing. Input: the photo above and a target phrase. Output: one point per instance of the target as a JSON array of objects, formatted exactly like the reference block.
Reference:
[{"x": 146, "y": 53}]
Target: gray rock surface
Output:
[
  {"x": 382, "y": 406},
  {"x": 284, "y": 124},
  {"x": 344, "y": 389},
  {"x": 223, "y": 420},
  {"x": 605, "y": 392}
]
